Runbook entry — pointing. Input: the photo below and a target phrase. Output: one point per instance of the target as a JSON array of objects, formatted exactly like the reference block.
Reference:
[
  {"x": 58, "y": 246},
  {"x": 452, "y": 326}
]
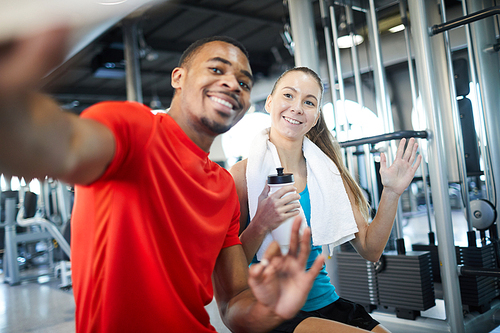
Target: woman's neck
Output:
[{"x": 291, "y": 158}]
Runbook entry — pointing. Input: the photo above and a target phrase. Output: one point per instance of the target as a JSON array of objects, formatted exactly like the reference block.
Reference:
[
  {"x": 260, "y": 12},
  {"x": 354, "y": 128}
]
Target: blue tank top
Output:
[{"x": 322, "y": 292}]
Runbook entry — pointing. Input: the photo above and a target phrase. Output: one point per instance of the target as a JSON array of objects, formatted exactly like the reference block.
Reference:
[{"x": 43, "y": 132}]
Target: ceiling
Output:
[{"x": 166, "y": 29}]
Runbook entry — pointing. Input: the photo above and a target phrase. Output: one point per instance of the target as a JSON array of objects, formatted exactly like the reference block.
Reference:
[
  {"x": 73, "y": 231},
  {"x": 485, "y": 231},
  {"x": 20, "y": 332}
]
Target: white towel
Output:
[{"x": 332, "y": 219}]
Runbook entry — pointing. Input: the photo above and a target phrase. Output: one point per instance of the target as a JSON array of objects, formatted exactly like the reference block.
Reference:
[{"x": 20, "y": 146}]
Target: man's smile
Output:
[{"x": 221, "y": 101}]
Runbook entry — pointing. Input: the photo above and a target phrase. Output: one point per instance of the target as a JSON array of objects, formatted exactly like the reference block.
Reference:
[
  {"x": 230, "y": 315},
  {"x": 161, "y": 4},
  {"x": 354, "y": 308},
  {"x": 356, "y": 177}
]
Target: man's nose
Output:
[{"x": 231, "y": 82}]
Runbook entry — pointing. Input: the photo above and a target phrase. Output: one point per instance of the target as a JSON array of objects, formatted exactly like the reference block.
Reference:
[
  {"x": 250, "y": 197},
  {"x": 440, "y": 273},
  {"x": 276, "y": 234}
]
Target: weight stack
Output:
[
  {"x": 477, "y": 291},
  {"x": 357, "y": 279},
  {"x": 436, "y": 271},
  {"x": 406, "y": 283}
]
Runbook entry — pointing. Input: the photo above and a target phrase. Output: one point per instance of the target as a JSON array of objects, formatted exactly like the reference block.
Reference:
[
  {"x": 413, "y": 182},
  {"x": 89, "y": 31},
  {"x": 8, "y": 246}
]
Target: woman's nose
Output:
[{"x": 297, "y": 107}]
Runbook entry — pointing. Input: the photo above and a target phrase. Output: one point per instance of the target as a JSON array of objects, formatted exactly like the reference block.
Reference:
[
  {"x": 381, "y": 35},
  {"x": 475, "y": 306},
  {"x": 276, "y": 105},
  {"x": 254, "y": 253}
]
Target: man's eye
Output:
[
  {"x": 216, "y": 70},
  {"x": 245, "y": 85}
]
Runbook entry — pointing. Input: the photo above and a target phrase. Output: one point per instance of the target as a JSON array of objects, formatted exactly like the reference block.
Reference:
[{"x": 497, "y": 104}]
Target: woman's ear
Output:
[
  {"x": 317, "y": 117},
  {"x": 267, "y": 106}
]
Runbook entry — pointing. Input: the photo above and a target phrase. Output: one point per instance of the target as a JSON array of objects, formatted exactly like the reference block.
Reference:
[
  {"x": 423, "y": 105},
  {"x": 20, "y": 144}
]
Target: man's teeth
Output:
[
  {"x": 292, "y": 121},
  {"x": 221, "y": 101}
]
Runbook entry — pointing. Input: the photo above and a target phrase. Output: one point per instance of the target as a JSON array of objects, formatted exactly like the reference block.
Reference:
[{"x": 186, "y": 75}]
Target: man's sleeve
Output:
[
  {"x": 234, "y": 228},
  {"x": 131, "y": 124}
]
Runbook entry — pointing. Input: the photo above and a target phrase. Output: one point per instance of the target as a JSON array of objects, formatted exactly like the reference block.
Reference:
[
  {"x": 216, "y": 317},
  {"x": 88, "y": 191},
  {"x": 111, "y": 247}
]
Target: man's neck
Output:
[{"x": 199, "y": 137}]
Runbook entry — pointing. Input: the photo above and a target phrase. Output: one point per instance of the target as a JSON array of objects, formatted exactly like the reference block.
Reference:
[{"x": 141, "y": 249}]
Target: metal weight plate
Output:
[{"x": 483, "y": 214}]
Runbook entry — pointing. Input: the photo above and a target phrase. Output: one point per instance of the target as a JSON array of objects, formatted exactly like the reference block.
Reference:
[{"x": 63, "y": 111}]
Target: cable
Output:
[{"x": 498, "y": 23}]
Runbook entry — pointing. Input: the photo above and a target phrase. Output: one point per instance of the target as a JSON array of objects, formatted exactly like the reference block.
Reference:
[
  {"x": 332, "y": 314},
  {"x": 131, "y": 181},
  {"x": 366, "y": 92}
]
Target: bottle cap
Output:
[{"x": 280, "y": 177}]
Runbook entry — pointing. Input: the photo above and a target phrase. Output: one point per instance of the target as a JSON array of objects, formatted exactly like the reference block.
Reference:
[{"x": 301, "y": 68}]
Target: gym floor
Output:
[
  {"x": 36, "y": 305},
  {"x": 39, "y": 305}
]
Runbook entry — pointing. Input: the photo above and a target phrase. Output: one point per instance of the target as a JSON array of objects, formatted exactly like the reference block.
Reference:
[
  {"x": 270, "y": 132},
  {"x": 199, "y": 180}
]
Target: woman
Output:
[{"x": 297, "y": 138}]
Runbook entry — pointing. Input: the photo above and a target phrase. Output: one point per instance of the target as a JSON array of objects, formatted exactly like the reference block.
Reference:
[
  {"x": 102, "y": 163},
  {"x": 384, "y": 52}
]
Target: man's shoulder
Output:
[
  {"x": 117, "y": 106},
  {"x": 223, "y": 171},
  {"x": 118, "y": 111}
]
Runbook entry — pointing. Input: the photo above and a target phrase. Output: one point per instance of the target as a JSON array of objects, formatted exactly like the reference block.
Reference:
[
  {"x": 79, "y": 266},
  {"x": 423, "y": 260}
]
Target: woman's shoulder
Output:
[{"x": 239, "y": 169}]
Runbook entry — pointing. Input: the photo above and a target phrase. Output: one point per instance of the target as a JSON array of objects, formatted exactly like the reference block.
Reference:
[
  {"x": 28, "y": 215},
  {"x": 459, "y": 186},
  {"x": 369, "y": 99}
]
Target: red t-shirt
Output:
[{"x": 147, "y": 233}]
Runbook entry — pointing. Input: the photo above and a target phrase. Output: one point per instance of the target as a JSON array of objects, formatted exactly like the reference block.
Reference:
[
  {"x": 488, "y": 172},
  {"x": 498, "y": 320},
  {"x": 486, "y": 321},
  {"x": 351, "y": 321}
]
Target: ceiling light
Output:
[
  {"x": 155, "y": 103},
  {"x": 397, "y": 28},
  {"x": 109, "y": 64},
  {"x": 111, "y": 2},
  {"x": 345, "y": 42},
  {"x": 287, "y": 40}
]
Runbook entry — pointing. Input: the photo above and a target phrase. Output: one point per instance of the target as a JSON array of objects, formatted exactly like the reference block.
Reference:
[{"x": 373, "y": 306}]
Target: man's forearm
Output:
[
  {"x": 38, "y": 139},
  {"x": 279, "y": 284},
  {"x": 245, "y": 314},
  {"x": 32, "y": 136}
]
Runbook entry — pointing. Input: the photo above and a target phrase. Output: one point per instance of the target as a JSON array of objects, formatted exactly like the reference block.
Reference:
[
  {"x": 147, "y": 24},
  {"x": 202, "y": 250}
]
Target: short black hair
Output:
[{"x": 194, "y": 47}]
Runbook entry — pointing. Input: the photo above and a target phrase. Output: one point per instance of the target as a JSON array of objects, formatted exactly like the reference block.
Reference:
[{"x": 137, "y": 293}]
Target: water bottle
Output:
[{"x": 283, "y": 233}]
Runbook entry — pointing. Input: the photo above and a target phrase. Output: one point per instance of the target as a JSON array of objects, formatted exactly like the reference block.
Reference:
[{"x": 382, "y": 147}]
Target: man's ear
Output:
[
  {"x": 268, "y": 103},
  {"x": 177, "y": 77}
]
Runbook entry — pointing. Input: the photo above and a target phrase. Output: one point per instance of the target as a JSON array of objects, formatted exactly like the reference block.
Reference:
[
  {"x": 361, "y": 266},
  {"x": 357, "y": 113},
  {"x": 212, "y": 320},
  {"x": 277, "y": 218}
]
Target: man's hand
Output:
[
  {"x": 23, "y": 62},
  {"x": 36, "y": 138},
  {"x": 400, "y": 174},
  {"x": 281, "y": 282}
]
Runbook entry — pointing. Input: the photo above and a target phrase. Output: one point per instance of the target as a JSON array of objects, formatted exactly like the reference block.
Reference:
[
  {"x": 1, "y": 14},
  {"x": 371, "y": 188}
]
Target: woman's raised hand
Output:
[{"x": 399, "y": 175}]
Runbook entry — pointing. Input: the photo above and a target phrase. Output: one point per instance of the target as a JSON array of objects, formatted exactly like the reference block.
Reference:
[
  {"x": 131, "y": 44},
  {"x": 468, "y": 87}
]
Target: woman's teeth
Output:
[{"x": 291, "y": 121}]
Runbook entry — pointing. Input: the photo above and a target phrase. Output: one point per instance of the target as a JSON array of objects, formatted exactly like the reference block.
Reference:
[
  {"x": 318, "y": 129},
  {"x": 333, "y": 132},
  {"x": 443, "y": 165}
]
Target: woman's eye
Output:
[
  {"x": 310, "y": 103},
  {"x": 288, "y": 95}
]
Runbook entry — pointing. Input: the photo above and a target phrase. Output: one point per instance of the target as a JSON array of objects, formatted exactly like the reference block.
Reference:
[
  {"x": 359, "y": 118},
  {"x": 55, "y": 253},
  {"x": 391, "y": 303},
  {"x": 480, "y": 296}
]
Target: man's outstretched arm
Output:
[
  {"x": 36, "y": 137},
  {"x": 259, "y": 299}
]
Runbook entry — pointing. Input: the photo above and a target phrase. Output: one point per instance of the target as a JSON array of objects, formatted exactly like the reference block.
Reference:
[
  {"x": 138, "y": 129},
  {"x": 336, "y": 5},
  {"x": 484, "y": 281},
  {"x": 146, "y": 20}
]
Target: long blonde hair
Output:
[{"x": 321, "y": 137}]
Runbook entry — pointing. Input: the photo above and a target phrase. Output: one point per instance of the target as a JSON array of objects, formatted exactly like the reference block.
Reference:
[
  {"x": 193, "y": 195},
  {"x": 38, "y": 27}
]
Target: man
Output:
[{"x": 155, "y": 222}]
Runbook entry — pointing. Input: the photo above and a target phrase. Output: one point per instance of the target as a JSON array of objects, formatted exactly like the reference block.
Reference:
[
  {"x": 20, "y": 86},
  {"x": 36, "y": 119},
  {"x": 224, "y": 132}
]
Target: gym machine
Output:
[
  {"x": 29, "y": 221},
  {"x": 467, "y": 275}
]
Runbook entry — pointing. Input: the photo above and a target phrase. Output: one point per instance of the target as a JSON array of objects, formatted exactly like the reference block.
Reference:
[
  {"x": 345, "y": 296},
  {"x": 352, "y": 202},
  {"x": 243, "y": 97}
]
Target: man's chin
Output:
[{"x": 215, "y": 127}]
